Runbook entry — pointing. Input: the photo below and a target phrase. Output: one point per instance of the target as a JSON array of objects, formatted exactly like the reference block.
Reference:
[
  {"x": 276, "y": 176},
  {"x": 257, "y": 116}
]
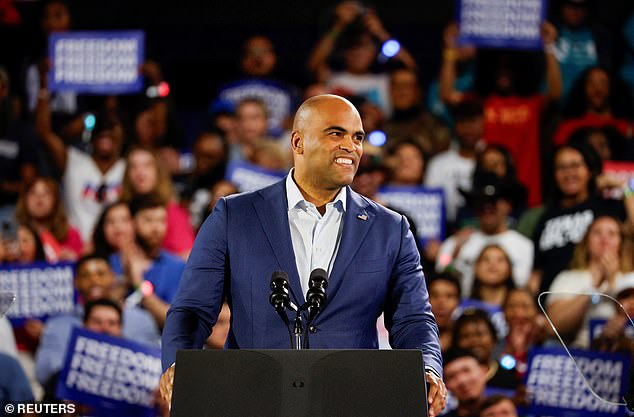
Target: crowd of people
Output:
[{"x": 518, "y": 142}]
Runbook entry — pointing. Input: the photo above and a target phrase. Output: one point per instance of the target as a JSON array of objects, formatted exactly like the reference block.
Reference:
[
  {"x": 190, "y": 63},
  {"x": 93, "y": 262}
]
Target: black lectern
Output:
[{"x": 299, "y": 383}]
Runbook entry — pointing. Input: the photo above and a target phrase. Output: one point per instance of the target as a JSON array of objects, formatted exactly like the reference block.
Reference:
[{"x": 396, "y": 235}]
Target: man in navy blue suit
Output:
[{"x": 311, "y": 219}]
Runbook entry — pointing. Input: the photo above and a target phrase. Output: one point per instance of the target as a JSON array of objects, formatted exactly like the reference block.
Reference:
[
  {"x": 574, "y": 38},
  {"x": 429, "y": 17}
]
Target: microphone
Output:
[
  {"x": 279, "y": 297},
  {"x": 316, "y": 296}
]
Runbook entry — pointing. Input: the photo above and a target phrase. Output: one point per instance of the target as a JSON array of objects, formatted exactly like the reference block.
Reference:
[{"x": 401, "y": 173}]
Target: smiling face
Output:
[
  {"x": 571, "y": 173},
  {"x": 94, "y": 279},
  {"x": 476, "y": 336},
  {"x": 327, "y": 142}
]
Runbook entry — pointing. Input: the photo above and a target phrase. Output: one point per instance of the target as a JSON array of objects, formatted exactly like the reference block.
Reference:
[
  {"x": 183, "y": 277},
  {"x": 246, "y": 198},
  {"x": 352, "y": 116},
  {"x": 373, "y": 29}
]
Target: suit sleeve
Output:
[
  {"x": 408, "y": 315},
  {"x": 200, "y": 294}
]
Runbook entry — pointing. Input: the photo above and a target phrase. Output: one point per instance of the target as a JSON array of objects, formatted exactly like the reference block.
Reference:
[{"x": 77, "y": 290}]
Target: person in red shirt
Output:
[{"x": 511, "y": 116}]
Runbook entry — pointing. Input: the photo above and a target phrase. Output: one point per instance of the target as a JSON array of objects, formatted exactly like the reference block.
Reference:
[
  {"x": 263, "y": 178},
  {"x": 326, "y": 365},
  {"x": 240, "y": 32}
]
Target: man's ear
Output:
[{"x": 297, "y": 142}]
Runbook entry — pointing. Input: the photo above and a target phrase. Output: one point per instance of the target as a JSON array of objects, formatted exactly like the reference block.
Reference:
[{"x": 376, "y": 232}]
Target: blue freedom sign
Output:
[
  {"x": 113, "y": 376},
  {"x": 41, "y": 290},
  {"x": 556, "y": 387},
  {"x": 596, "y": 328},
  {"x": 249, "y": 177},
  {"x": 496, "y": 314},
  {"x": 425, "y": 206},
  {"x": 96, "y": 62},
  {"x": 514, "y": 24}
]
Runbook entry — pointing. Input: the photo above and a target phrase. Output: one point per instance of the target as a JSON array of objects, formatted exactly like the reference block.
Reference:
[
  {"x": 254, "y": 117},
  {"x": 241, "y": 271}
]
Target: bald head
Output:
[
  {"x": 327, "y": 144},
  {"x": 306, "y": 112}
]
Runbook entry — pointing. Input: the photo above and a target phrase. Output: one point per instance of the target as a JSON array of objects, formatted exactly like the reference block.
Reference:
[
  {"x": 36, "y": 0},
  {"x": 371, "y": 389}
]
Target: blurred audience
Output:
[
  {"x": 355, "y": 37},
  {"x": 444, "y": 296},
  {"x": 94, "y": 280},
  {"x": 527, "y": 327},
  {"x": 582, "y": 43},
  {"x": 512, "y": 103},
  {"x": 406, "y": 162},
  {"x": 18, "y": 161},
  {"x": 453, "y": 169},
  {"x": 210, "y": 153},
  {"x": 600, "y": 261},
  {"x": 409, "y": 119},
  {"x": 90, "y": 179},
  {"x": 498, "y": 406},
  {"x": 597, "y": 99},
  {"x": 41, "y": 206},
  {"x": 575, "y": 203},
  {"x": 465, "y": 378},
  {"x": 493, "y": 276},
  {"x": 145, "y": 175},
  {"x": 492, "y": 200},
  {"x": 114, "y": 231},
  {"x": 258, "y": 64},
  {"x": 146, "y": 268},
  {"x": 474, "y": 331}
]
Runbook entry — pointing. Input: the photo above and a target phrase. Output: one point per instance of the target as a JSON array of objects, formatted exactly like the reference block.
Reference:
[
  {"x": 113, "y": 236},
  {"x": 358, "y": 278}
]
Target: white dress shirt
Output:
[{"x": 315, "y": 237}]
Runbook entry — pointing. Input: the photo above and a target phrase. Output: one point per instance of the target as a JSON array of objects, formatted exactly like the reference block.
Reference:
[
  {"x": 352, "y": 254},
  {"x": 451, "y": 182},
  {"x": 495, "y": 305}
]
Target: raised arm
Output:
[
  {"x": 553, "y": 72},
  {"x": 374, "y": 25},
  {"x": 345, "y": 13},
  {"x": 450, "y": 56},
  {"x": 43, "y": 129}
]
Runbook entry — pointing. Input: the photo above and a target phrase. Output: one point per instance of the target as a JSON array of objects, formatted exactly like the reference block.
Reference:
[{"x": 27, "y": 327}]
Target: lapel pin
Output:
[{"x": 363, "y": 217}]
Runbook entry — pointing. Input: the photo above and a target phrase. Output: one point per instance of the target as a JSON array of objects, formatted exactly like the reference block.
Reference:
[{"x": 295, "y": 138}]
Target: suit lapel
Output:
[
  {"x": 358, "y": 220},
  {"x": 272, "y": 212}
]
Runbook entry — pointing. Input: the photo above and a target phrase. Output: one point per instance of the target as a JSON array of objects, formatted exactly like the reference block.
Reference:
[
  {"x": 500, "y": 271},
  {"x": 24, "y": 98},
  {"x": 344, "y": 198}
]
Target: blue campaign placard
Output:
[
  {"x": 555, "y": 386},
  {"x": 41, "y": 290},
  {"x": 279, "y": 99},
  {"x": 96, "y": 62},
  {"x": 495, "y": 313},
  {"x": 510, "y": 24},
  {"x": 596, "y": 327},
  {"x": 426, "y": 207},
  {"x": 111, "y": 375},
  {"x": 249, "y": 177}
]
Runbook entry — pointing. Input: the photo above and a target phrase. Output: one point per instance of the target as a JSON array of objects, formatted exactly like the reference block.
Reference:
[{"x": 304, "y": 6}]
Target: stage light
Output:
[
  {"x": 163, "y": 89},
  {"x": 508, "y": 362},
  {"x": 390, "y": 48},
  {"x": 377, "y": 138},
  {"x": 89, "y": 121}
]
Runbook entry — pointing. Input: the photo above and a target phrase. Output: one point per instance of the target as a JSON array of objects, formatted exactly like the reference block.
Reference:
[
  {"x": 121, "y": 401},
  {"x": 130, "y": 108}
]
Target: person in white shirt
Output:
[
  {"x": 90, "y": 180},
  {"x": 493, "y": 200},
  {"x": 452, "y": 170}
]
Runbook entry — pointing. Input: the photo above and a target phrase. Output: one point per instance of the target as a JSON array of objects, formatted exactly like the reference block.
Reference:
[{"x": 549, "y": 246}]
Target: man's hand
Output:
[
  {"x": 437, "y": 395},
  {"x": 166, "y": 385}
]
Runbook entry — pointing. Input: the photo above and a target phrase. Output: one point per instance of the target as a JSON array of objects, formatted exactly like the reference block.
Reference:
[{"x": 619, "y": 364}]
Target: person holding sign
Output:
[
  {"x": 94, "y": 279},
  {"x": 90, "y": 180},
  {"x": 512, "y": 103},
  {"x": 368, "y": 251}
]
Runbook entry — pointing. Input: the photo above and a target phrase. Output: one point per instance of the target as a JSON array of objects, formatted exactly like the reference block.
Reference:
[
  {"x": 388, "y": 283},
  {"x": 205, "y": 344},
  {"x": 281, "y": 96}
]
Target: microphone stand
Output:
[{"x": 298, "y": 330}]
